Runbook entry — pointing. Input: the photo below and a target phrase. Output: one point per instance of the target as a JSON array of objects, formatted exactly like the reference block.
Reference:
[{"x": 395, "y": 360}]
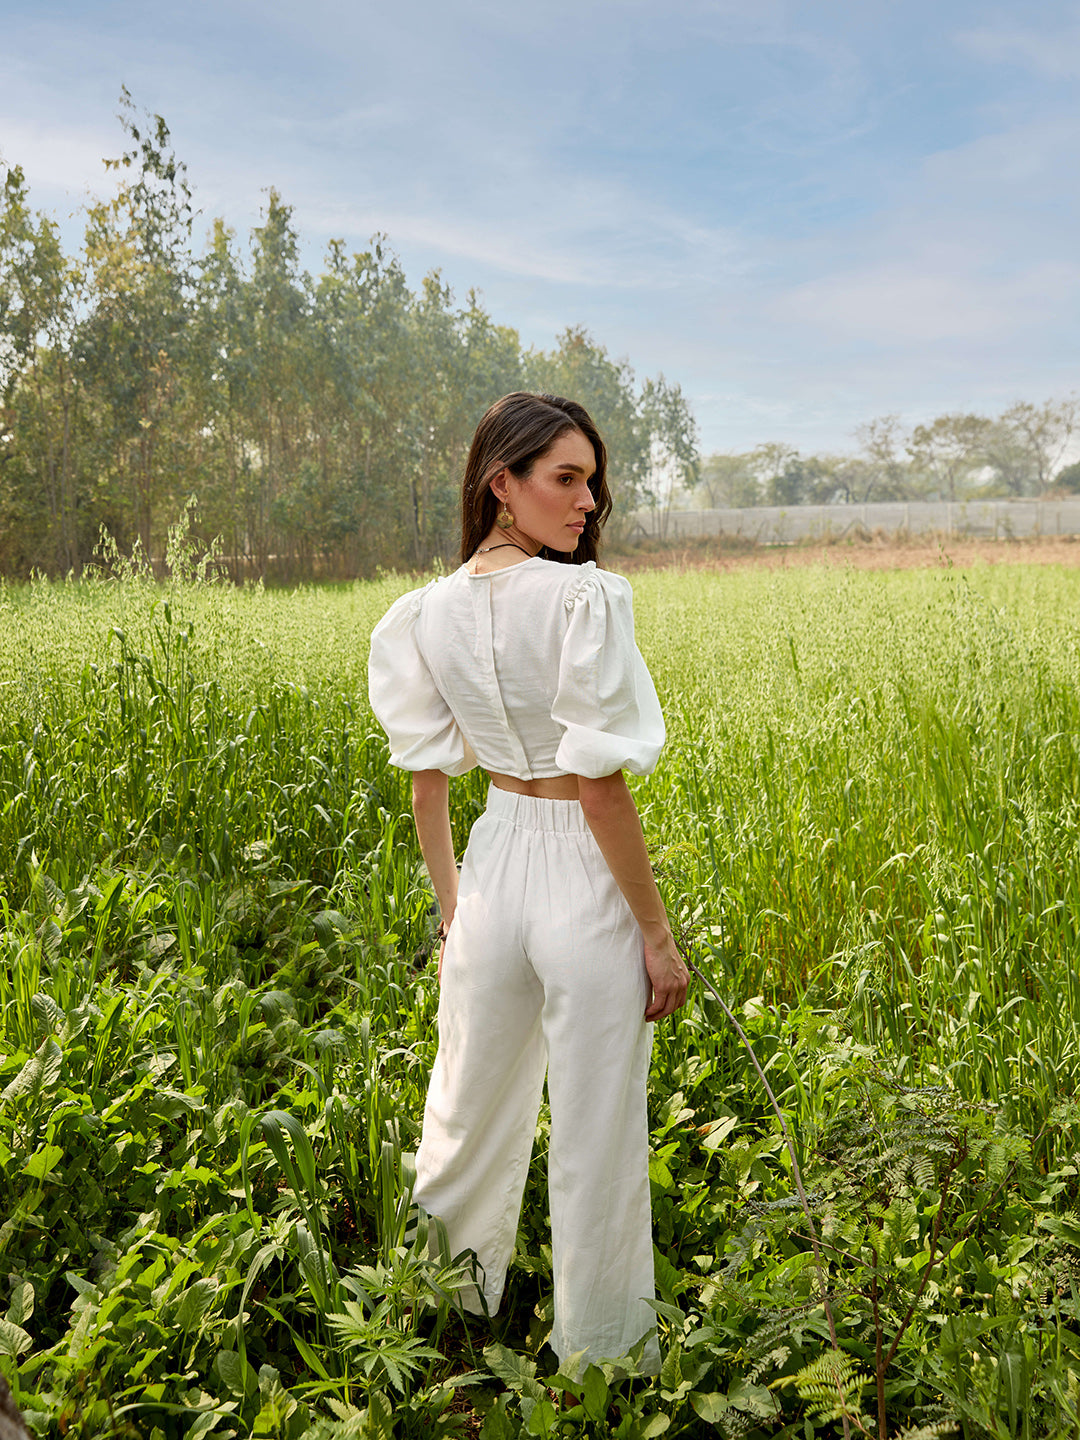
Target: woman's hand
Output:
[
  {"x": 613, "y": 819},
  {"x": 669, "y": 978},
  {"x": 444, "y": 931}
]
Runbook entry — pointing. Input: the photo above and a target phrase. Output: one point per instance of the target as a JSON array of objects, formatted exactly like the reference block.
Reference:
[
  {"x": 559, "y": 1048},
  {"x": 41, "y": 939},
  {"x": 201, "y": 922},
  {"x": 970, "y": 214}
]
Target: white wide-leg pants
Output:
[{"x": 544, "y": 969}]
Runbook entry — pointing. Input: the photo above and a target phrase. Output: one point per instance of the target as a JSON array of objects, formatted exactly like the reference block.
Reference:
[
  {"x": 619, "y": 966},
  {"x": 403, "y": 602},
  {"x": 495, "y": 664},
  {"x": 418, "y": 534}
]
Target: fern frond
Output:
[{"x": 830, "y": 1385}]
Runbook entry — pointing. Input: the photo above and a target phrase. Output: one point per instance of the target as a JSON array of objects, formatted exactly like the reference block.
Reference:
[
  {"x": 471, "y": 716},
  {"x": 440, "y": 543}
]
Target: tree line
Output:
[
  {"x": 320, "y": 422},
  {"x": 954, "y": 457}
]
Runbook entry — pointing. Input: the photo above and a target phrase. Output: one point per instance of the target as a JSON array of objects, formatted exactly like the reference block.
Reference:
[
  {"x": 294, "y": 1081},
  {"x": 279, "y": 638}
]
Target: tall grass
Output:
[
  {"x": 213, "y": 915},
  {"x": 872, "y": 794}
]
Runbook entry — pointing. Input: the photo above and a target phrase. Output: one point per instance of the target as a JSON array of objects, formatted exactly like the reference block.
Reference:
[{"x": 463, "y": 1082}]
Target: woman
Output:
[{"x": 555, "y": 950}]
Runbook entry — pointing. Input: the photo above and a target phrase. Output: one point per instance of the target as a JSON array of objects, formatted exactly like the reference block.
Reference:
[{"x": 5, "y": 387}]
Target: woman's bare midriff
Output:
[{"x": 555, "y": 787}]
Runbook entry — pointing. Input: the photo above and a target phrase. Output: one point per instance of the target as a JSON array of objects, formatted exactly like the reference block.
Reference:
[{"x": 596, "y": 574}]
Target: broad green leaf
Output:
[
  {"x": 498, "y": 1426},
  {"x": 43, "y": 1161},
  {"x": 193, "y": 1304},
  {"x": 22, "y": 1303},
  {"x": 709, "y": 1407},
  {"x": 40, "y": 1074},
  {"x": 569, "y": 1373},
  {"x": 513, "y": 1370},
  {"x": 660, "y": 1172},
  {"x": 754, "y": 1398},
  {"x": 46, "y": 1011},
  {"x": 719, "y": 1130},
  {"x": 543, "y": 1418},
  {"x": 669, "y": 1281},
  {"x": 380, "y": 1416},
  {"x": 671, "y": 1370},
  {"x": 595, "y": 1393},
  {"x": 671, "y": 1313},
  {"x": 207, "y": 1421},
  {"x": 52, "y": 939},
  {"x": 14, "y": 1340},
  {"x": 80, "y": 1284},
  {"x": 269, "y": 1380},
  {"x": 236, "y": 1374}
]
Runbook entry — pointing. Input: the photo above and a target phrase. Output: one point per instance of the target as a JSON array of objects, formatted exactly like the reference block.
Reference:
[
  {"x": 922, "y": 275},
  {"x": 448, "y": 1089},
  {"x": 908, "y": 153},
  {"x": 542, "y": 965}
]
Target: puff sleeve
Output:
[
  {"x": 422, "y": 731},
  {"x": 606, "y": 701}
]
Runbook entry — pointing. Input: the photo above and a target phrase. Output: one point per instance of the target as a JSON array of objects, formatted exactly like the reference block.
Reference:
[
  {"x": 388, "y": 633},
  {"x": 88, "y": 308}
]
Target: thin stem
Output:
[
  {"x": 819, "y": 1263},
  {"x": 879, "y": 1368}
]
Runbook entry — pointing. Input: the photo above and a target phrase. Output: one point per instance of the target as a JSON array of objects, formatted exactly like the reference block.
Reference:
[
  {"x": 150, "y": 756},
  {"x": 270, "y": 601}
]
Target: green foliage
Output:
[
  {"x": 216, "y": 1022},
  {"x": 322, "y": 421},
  {"x": 952, "y": 457}
]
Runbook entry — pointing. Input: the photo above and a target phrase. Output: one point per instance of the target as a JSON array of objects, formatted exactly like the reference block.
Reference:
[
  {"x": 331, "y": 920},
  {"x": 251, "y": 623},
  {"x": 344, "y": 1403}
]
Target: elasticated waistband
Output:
[{"x": 531, "y": 813}]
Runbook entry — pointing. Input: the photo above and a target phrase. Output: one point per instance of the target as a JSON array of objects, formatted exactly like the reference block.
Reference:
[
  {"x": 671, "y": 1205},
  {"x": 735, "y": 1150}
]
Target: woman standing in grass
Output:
[{"x": 555, "y": 946}]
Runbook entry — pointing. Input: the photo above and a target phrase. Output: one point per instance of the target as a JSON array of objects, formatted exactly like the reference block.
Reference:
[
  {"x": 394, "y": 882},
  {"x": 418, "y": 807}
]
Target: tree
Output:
[
  {"x": 841, "y": 479},
  {"x": 728, "y": 480},
  {"x": 887, "y": 476},
  {"x": 583, "y": 371},
  {"x": 321, "y": 423},
  {"x": 770, "y": 461},
  {"x": 947, "y": 453},
  {"x": 1008, "y": 461},
  {"x": 1042, "y": 434},
  {"x": 673, "y": 442},
  {"x": 41, "y": 293},
  {"x": 222, "y": 362},
  {"x": 278, "y": 310},
  {"x": 133, "y": 342},
  {"x": 487, "y": 365},
  {"x": 364, "y": 314},
  {"x": 816, "y": 480},
  {"x": 1068, "y": 480}
]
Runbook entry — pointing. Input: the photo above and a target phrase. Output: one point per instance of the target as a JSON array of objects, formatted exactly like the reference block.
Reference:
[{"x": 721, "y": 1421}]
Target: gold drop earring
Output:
[{"x": 504, "y": 519}]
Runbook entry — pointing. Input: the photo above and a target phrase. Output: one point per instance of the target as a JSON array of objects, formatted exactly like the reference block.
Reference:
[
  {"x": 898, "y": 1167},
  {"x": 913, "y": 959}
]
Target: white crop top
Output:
[{"x": 529, "y": 671}]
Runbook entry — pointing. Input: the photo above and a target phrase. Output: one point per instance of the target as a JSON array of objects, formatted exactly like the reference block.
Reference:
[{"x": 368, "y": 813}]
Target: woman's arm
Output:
[
  {"x": 613, "y": 819},
  {"x": 431, "y": 811}
]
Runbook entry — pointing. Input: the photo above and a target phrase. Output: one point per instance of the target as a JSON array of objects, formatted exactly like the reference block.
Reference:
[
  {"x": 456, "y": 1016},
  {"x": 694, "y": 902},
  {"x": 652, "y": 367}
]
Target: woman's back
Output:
[{"x": 530, "y": 670}]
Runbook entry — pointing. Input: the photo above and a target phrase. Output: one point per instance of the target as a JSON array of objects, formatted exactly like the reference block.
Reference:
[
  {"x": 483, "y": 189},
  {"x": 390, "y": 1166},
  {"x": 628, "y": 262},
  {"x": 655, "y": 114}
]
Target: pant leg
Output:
[
  {"x": 587, "y": 950},
  {"x": 487, "y": 1081},
  {"x": 544, "y": 953}
]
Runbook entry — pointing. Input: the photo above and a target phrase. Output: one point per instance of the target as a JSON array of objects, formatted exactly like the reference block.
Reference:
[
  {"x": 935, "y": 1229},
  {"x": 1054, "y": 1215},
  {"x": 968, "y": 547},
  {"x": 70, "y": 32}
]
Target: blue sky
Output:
[{"x": 808, "y": 214}]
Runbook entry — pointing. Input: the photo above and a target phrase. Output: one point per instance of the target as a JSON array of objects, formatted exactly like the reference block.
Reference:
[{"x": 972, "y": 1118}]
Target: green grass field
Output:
[{"x": 216, "y": 1022}]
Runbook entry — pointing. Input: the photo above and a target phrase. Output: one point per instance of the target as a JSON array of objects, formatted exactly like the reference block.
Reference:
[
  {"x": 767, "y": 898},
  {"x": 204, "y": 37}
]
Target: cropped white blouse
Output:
[{"x": 530, "y": 671}]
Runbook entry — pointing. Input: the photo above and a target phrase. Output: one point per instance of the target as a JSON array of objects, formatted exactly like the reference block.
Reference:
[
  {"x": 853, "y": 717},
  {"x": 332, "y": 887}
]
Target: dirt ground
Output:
[{"x": 872, "y": 553}]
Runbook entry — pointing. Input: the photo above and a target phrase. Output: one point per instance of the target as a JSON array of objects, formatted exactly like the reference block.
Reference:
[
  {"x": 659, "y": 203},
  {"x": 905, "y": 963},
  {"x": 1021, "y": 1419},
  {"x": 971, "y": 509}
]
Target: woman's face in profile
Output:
[{"x": 550, "y": 506}]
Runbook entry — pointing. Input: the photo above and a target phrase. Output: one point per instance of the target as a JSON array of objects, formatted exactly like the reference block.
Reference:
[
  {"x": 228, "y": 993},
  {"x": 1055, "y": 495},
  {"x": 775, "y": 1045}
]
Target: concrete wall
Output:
[{"x": 772, "y": 525}]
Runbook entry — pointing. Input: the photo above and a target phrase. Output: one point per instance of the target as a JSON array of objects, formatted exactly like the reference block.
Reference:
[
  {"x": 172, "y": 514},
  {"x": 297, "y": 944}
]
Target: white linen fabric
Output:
[
  {"x": 531, "y": 671},
  {"x": 544, "y": 969}
]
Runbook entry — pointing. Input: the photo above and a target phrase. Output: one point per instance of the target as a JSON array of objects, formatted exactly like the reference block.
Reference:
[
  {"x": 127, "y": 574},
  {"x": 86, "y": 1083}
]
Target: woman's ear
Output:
[{"x": 498, "y": 486}]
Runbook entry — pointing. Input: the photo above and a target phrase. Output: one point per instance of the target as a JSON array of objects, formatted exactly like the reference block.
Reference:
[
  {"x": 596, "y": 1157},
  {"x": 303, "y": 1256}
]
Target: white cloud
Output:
[
  {"x": 731, "y": 192},
  {"x": 913, "y": 303},
  {"x": 627, "y": 246},
  {"x": 63, "y": 161},
  {"x": 1031, "y": 160},
  {"x": 1057, "y": 56}
]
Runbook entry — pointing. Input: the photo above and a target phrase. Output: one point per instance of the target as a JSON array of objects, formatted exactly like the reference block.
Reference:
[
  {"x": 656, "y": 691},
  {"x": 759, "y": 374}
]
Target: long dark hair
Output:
[{"x": 512, "y": 435}]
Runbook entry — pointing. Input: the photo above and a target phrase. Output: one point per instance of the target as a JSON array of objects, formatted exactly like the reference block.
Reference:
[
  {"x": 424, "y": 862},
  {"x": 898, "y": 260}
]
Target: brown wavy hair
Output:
[{"x": 513, "y": 434}]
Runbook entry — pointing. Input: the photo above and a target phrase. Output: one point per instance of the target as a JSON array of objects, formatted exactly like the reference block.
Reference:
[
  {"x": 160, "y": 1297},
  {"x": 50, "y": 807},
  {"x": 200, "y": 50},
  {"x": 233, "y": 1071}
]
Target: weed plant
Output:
[{"x": 217, "y": 1019}]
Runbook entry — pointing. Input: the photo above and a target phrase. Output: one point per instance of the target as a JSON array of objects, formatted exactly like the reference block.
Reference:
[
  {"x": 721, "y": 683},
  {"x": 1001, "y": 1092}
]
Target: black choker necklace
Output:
[{"x": 506, "y": 545}]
